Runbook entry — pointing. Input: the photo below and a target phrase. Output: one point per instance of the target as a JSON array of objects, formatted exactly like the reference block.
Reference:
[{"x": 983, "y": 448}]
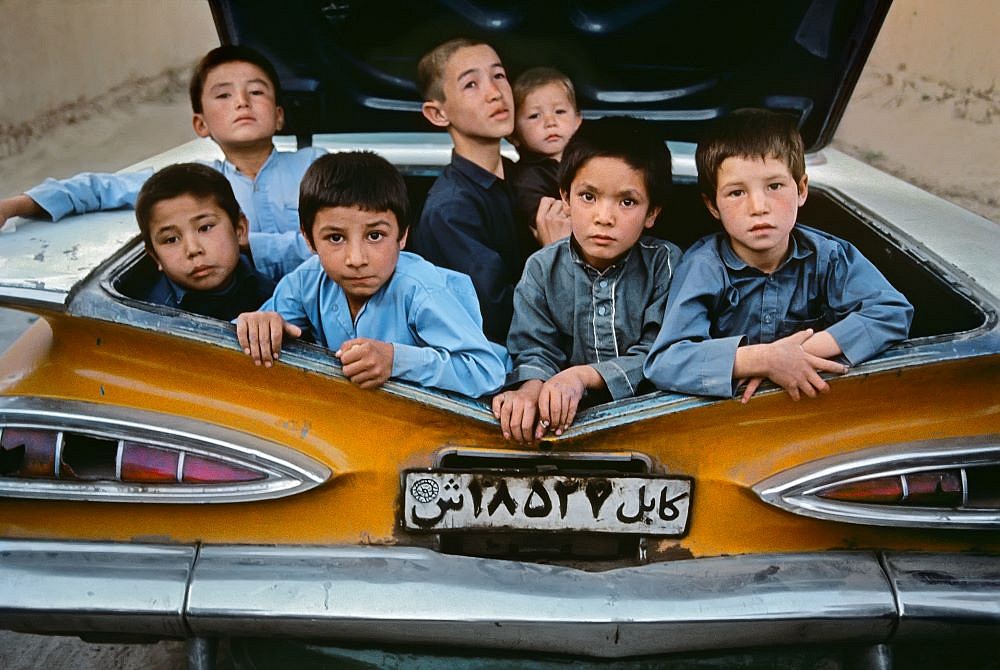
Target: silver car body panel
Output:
[{"x": 406, "y": 595}]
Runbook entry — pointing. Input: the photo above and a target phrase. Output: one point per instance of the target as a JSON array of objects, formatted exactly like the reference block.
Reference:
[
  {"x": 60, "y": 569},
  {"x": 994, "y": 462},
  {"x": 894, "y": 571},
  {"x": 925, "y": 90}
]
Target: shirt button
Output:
[
  {"x": 767, "y": 318},
  {"x": 602, "y": 311},
  {"x": 604, "y": 283}
]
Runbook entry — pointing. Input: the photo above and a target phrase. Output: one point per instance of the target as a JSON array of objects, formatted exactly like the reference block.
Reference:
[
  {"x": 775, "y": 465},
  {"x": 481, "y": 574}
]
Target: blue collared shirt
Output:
[
  {"x": 429, "y": 314},
  {"x": 718, "y": 303},
  {"x": 467, "y": 225},
  {"x": 270, "y": 202},
  {"x": 568, "y": 313}
]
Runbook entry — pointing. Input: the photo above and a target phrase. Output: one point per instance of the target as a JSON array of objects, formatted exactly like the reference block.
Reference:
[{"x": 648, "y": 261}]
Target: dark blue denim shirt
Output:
[
  {"x": 568, "y": 313},
  {"x": 718, "y": 303}
]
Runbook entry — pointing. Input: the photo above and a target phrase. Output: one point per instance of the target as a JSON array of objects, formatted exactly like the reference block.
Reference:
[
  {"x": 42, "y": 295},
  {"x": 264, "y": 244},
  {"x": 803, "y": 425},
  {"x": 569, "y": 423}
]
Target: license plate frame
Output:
[{"x": 440, "y": 500}]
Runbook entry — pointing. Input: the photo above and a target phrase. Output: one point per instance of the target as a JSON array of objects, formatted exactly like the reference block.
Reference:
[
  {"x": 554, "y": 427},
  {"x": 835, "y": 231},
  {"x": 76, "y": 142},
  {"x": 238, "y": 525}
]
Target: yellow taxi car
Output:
[{"x": 154, "y": 483}]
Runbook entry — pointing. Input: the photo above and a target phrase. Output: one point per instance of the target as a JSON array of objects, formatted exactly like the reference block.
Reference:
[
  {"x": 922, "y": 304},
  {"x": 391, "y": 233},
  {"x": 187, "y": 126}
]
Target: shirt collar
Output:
[
  {"x": 482, "y": 177},
  {"x": 575, "y": 254},
  {"x": 229, "y": 167},
  {"x": 798, "y": 249}
]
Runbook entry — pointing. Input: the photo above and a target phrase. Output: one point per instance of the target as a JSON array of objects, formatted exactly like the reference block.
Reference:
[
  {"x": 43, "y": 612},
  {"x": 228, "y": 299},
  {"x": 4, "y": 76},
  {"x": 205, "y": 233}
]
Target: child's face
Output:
[
  {"x": 238, "y": 106},
  {"x": 609, "y": 210},
  {"x": 478, "y": 102},
  {"x": 757, "y": 202},
  {"x": 547, "y": 120},
  {"x": 194, "y": 242},
  {"x": 358, "y": 250}
]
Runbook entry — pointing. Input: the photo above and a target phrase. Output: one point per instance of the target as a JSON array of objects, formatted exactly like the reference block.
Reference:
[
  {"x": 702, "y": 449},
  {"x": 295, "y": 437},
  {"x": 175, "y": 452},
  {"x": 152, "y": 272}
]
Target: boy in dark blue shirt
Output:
[
  {"x": 767, "y": 298},
  {"x": 467, "y": 223},
  {"x": 192, "y": 227}
]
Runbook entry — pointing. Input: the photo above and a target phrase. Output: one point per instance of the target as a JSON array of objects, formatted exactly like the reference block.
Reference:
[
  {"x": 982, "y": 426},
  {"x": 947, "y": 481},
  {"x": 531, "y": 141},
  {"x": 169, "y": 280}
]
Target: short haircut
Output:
[
  {"x": 536, "y": 77},
  {"x": 173, "y": 181},
  {"x": 361, "y": 179},
  {"x": 430, "y": 69},
  {"x": 229, "y": 53},
  {"x": 632, "y": 140},
  {"x": 749, "y": 133}
]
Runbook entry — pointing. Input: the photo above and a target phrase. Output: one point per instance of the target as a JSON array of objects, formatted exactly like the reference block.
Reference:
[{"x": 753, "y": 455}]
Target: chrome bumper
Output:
[{"x": 392, "y": 595}]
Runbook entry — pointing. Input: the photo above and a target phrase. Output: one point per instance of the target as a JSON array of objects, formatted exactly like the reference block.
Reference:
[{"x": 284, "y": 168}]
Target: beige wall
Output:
[
  {"x": 952, "y": 41},
  {"x": 53, "y": 52}
]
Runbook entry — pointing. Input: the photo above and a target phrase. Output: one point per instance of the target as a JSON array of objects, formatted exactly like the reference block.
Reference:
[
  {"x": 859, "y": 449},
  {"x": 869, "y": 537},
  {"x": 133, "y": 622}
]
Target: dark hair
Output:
[
  {"x": 536, "y": 77},
  {"x": 361, "y": 179},
  {"x": 430, "y": 69},
  {"x": 749, "y": 133},
  {"x": 632, "y": 140},
  {"x": 194, "y": 179},
  {"x": 229, "y": 53}
]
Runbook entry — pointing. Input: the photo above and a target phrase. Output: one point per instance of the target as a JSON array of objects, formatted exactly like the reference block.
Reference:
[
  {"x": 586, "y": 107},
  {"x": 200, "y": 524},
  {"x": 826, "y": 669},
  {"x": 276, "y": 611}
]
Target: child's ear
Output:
[
  {"x": 803, "y": 187},
  {"x": 712, "y": 209},
  {"x": 434, "y": 113},
  {"x": 651, "y": 217},
  {"x": 200, "y": 127},
  {"x": 242, "y": 232},
  {"x": 152, "y": 255},
  {"x": 279, "y": 117},
  {"x": 565, "y": 197},
  {"x": 402, "y": 239}
]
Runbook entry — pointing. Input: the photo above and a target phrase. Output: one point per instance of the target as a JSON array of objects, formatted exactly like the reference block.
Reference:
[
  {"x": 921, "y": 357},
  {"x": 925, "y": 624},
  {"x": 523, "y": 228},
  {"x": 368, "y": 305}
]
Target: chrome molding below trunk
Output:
[{"x": 393, "y": 595}]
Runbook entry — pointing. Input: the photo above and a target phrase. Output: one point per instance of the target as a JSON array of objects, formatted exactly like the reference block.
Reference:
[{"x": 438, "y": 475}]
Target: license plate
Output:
[{"x": 646, "y": 505}]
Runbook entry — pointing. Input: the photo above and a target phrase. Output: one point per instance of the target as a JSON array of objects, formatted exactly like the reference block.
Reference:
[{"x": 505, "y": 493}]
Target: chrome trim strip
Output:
[
  {"x": 942, "y": 593},
  {"x": 57, "y": 466},
  {"x": 81, "y": 587},
  {"x": 119, "y": 455},
  {"x": 795, "y": 489},
  {"x": 288, "y": 471},
  {"x": 395, "y": 595}
]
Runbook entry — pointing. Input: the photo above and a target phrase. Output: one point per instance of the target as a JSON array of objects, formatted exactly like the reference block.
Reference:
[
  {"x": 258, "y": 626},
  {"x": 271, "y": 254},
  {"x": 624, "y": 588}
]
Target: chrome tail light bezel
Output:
[
  {"x": 286, "y": 471},
  {"x": 797, "y": 489}
]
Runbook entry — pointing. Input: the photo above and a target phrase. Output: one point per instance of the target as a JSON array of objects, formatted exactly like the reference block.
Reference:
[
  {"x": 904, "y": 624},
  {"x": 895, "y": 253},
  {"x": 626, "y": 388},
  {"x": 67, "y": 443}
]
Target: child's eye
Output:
[
  {"x": 561, "y": 111},
  {"x": 375, "y": 235},
  {"x": 221, "y": 96},
  {"x": 335, "y": 238},
  {"x": 735, "y": 193},
  {"x": 628, "y": 202},
  {"x": 169, "y": 240},
  {"x": 469, "y": 84},
  {"x": 533, "y": 116},
  {"x": 775, "y": 185},
  {"x": 587, "y": 197},
  {"x": 500, "y": 74},
  {"x": 205, "y": 227}
]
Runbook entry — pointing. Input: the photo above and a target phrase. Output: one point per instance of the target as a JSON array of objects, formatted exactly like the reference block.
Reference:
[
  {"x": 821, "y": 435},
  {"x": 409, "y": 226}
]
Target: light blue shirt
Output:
[
  {"x": 717, "y": 303},
  {"x": 270, "y": 202},
  {"x": 429, "y": 314}
]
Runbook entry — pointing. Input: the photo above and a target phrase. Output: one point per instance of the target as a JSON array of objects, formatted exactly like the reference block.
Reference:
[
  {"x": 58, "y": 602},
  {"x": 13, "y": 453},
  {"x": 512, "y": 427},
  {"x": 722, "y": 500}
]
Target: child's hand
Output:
[
  {"x": 260, "y": 335},
  {"x": 516, "y": 411},
  {"x": 792, "y": 368},
  {"x": 560, "y": 397},
  {"x": 367, "y": 363},
  {"x": 552, "y": 221}
]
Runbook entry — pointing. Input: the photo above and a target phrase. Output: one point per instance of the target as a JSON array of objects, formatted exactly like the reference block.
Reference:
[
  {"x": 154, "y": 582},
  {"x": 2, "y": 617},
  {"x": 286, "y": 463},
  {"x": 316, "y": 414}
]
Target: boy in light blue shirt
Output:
[
  {"x": 386, "y": 313},
  {"x": 767, "y": 298},
  {"x": 235, "y": 95}
]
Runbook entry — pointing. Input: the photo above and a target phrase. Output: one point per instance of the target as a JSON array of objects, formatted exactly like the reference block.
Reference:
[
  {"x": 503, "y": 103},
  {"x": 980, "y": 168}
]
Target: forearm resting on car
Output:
[
  {"x": 19, "y": 205},
  {"x": 788, "y": 363}
]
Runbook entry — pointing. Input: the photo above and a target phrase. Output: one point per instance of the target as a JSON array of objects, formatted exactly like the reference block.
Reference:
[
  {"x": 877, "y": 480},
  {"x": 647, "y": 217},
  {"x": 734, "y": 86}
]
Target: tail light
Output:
[
  {"x": 947, "y": 483},
  {"x": 75, "y": 450}
]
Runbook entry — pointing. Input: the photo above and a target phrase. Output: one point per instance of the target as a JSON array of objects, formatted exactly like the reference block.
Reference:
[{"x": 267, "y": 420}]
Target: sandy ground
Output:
[{"x": 941, "y": 138}]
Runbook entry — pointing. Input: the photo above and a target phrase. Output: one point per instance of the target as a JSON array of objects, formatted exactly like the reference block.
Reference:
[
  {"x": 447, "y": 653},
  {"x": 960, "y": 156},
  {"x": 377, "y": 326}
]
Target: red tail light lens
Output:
[
  {"x": 877, "y": 491},
  {"x": 941, "y": 488},
  {"x": 28, "y": 452},
  {"x": 198, "y": 470},
  {"x": 148, "y": 464}
]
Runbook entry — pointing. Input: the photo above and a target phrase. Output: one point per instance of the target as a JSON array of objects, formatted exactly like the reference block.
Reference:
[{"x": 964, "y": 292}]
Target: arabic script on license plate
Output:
[{"x": 647, "y": 505}]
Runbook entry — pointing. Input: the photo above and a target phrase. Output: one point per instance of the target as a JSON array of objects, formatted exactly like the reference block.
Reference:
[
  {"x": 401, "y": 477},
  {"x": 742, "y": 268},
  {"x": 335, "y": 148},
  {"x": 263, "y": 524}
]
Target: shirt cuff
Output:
[
  {"x": 615, "y": 378},
  {"x": 853, "y": 339}
]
